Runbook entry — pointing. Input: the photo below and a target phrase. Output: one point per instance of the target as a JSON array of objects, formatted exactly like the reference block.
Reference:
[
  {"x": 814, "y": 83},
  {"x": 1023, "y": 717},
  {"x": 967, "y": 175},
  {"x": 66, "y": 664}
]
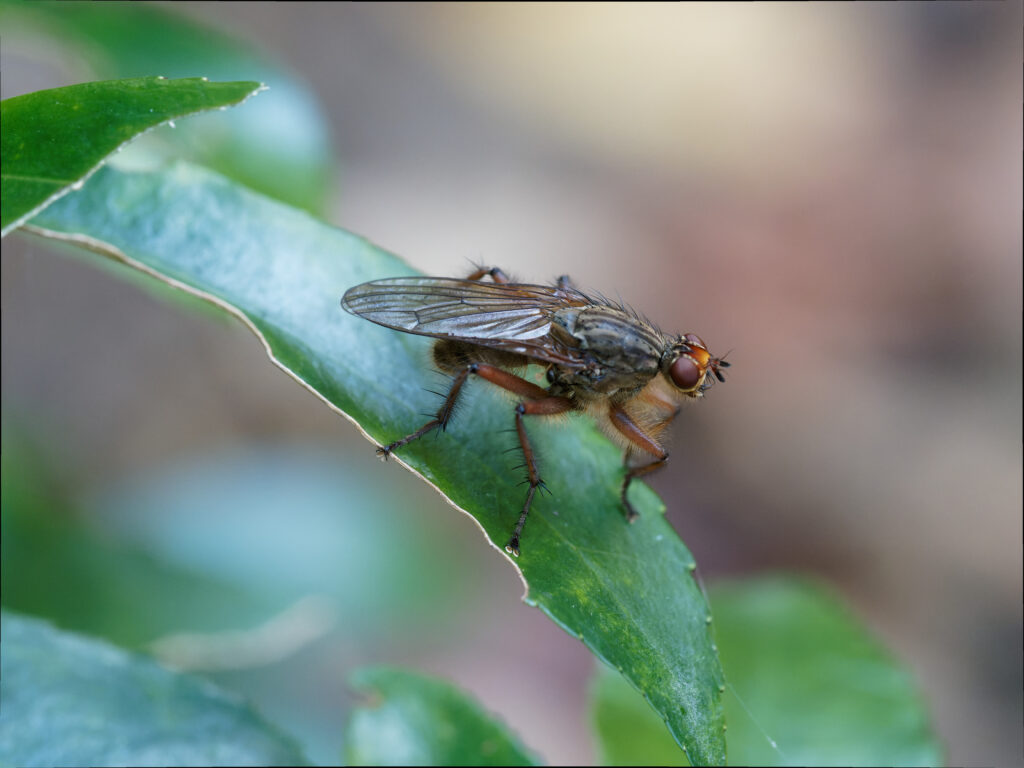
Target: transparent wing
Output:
[{"x": 510, "y": 316}]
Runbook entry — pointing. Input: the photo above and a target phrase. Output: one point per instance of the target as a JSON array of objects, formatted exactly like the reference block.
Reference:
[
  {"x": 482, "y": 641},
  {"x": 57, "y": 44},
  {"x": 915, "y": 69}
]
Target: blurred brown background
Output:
[{"x": 832, "y": 192}]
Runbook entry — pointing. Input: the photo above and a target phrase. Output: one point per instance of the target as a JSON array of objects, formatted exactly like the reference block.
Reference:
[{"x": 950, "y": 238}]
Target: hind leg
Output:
[
  {"x": 537, "y": 401},
  {"x": 495, "y": 274}
]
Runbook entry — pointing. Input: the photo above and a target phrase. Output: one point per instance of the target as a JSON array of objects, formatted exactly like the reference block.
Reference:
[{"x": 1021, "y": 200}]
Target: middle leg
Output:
[{"x": 547, "y": 406}]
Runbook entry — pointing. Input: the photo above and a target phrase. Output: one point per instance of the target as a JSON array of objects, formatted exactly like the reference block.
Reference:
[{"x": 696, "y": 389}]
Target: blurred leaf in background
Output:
[
  {"x": 56, "y": 566},
  {"x": 69, "y": 700},
  {"x": 53, "y": 139},
  {"x": 216, "y": 542},
  {"x": 279, "y": 146},
  {"x": 409, "y": 719},
  {"x": 808, "y": 685},
  {"x": 253, "y": 566},
  {"x": 287, "y": 522}
]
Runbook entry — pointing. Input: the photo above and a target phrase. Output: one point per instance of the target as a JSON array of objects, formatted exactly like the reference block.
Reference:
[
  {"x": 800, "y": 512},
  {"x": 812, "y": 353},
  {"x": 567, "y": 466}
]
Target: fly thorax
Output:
[
  {"x": 622, "y": 352},
  {"x": 618, "y": 341}
]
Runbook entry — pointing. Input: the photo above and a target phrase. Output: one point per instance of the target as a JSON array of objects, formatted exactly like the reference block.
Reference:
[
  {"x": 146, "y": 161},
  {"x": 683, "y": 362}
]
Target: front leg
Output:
[
  {"x": 633, "y": 472},
  {"x": 638, "y": 439}
]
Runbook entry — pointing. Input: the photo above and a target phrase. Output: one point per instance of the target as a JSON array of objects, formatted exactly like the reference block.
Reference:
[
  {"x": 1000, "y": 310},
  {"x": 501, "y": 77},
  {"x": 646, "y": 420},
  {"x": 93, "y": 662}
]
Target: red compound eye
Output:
[{"x": 685, "y": 373}]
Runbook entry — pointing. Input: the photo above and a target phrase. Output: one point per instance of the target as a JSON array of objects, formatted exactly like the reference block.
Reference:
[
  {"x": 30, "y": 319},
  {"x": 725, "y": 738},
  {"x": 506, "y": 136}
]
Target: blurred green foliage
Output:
[
  {"x": 54, "y": 565},
  {"x": 280, "y": 145},
  {"x": 808, "y": 685},
  {"x": 69, "y": 700},
  {"x": 203, "y": 546},
  {"x": 409, "y": 719},
  {"x": 251, "y": 565},
  {"x": 53, "y": 138}
]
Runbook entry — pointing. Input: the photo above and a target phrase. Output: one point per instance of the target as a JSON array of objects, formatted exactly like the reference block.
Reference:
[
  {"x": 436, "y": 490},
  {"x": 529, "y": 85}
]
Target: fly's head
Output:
[{"x": 687, "y": 364}]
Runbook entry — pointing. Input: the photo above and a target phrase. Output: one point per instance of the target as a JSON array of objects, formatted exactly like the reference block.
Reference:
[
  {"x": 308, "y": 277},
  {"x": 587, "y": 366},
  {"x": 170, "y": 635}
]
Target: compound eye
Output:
[
  {"x": 685, "y": 373},
  {"x": 693, "y": 338}
]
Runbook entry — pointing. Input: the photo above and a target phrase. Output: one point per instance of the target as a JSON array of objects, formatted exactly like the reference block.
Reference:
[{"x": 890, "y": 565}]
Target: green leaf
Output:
[
  {"x": 814, "y": 679},
  {"x": 70, "y": 700},
  {"x": 410, "y": 719},
  {"x": 803, "y": 673},
  {"x": 52, "y": 140},
  {"x": 279, "y": 145},
  {"x": 628, "y": 731},
  {"x": 627, "y": 591}
]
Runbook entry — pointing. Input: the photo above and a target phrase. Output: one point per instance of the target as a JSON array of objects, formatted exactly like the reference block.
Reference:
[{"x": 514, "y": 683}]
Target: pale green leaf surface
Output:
[
  {"x": 53, "y": 139},
  {"x": 627, "y": 591},
  {"x": 410, "y": 719},
  {"x": 803, "y": 673},
  {"x": 70, "y": 700}
]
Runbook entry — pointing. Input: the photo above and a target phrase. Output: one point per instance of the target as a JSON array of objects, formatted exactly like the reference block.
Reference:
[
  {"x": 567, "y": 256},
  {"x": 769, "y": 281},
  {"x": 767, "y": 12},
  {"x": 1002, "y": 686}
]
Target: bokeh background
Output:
[{"x": 832, "y": 192}]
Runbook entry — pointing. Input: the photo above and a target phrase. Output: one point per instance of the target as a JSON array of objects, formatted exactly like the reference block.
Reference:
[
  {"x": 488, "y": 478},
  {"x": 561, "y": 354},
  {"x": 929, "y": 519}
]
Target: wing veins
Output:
[{"x": 511, "y": 317}]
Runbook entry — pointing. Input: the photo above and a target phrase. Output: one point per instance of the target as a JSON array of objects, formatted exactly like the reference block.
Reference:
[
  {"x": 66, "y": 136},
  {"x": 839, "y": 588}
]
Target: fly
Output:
[{"x": 600, "y": 358}]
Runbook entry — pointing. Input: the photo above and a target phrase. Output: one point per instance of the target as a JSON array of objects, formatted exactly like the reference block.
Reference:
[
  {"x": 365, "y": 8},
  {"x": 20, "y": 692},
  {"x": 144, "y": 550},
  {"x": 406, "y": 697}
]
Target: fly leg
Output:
[
  {"x": 538, "y": 403},
  {"x": 547, "y": 406},
  {"x": 641, "y": 440},
  {"x": 495, "y": 274},
  {"x": 439, "y": 421},
  {"x": 632, "y": 472},
  {"x": 563, "y": 284}
]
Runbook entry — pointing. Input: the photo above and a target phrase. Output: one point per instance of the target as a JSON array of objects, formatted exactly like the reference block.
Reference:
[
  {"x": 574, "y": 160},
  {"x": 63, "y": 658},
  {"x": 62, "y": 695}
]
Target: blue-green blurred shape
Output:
[
  {"x": 56, "y": 566},
  {"x": 286, "y": 522},
  {"x": 220, "y": 543},
  {"x": 70, "y": 700}
]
